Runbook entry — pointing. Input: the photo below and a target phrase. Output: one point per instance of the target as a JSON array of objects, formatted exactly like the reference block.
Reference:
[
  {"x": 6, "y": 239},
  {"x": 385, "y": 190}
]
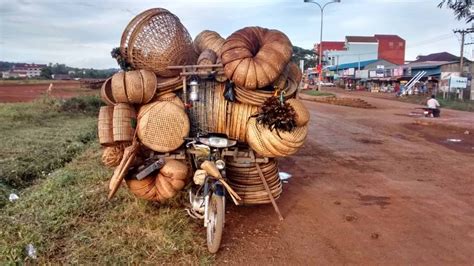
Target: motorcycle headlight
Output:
[
  {"x": 218, "y": 142},
  {"x": 220, "y": 164}
]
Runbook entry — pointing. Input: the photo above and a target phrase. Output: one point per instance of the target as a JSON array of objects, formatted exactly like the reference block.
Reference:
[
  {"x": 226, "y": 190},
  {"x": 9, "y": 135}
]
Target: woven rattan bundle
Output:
[
  {"x": 219, "y": 110},
  {"x": 156, "y": 39},
  {"x": 162, "y": 126},
  {"x": 124, "y": 119},
  {"x": 106, "y": 92},
  {"x": 105, "y": 125},
  {"x": 111, "y": 156},
  {"x": 245, "y": 180},
  {"x": 165, "y": 185},
  {"x": 135, "y": 87},
  {"x": 258, "y": 97},
  {"x": 237, "y": 123},
  {"x": 208, "y": 40},
  {"x": 274, "y": 143}
]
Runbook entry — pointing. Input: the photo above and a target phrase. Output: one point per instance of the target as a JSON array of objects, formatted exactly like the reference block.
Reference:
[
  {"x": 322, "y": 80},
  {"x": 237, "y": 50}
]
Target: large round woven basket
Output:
[
  {"x": 272, "y": 143},
  {"x": 124, "y": 118},
  {"x": 156, "y": 39},
  {"x": 106, "y": 92},
  {"x": 105, "y": 125},
  {"x": 245, "y": 180},
  {"x": 162, "y": 126},
  {"x": 302, "y": 113}
]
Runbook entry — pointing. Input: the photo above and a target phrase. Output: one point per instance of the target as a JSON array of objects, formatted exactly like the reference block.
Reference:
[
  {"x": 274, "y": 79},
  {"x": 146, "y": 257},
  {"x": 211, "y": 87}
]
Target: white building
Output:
[{"x": 358, "y": 49}]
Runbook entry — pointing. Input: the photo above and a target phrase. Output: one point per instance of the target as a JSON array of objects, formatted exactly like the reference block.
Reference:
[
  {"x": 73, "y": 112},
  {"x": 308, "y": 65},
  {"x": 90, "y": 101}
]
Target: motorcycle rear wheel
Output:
[{"x": 215, "y": 227}]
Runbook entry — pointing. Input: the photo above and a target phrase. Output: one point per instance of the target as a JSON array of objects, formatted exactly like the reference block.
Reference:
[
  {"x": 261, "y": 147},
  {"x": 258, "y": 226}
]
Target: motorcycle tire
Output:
[{"x": 215, "y": 227}]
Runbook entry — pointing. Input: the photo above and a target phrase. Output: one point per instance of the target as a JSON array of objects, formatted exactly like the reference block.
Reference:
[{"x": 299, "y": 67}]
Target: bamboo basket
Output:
[
  {"x": 162, "y": 126},
  {"x": 245, "y": 180},
  {"x": 124, "y": 118},
  {"x": 156, "y": 39},
  {"x": 106, "y": 92},
  {"x": 105, "y": 125},
  {"x": 135, "y": 87}
]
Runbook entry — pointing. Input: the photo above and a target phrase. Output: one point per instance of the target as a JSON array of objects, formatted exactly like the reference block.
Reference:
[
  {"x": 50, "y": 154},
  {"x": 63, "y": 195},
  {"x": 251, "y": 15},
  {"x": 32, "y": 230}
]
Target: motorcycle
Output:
[{"x": 207, "y": 194}]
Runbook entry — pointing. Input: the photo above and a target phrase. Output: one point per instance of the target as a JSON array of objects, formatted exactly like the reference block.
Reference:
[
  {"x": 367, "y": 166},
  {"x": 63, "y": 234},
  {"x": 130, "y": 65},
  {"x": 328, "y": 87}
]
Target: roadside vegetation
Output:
[
  {"x": 51, "y": 159},
  {"x": 318, "y": 93},
  {"x": 451, "y": 103}
]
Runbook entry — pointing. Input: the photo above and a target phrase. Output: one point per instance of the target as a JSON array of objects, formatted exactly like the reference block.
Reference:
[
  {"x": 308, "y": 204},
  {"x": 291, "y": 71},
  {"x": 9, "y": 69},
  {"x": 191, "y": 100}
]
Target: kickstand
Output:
[{"x": 264, "y": 181}]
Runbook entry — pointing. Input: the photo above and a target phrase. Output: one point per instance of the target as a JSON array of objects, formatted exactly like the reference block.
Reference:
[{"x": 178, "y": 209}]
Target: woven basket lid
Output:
[
  {"x": 118, "y": 88},
  {"x": 162, "y": 126},
  {"x": 106, "y": 92}
]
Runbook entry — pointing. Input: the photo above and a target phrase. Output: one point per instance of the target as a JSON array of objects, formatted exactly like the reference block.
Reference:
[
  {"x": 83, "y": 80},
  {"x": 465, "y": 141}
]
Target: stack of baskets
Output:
[{"x": 145, "y": 104}]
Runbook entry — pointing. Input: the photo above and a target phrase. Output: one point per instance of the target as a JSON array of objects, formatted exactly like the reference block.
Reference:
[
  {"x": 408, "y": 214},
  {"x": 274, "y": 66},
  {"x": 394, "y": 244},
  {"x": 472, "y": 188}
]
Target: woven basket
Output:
[
  {"x": 239, "y": 115},
  {"x": 244, "y": 178},
  {"x": 105, "y": 125},
  {"x": 106, "y": 92},
  {"x": 156, "y": 39},
  {"x": 208, "y": 40},
  {"x": 149, "y": 85},
  {"x": 111, "y": 156},
  {"x": 162, "y": 126},
  {"x": 207, "y": 57},
  {"x": 258, "y": 97},
  {"x": 172, "y": 98},
  {"x": 124, "y": 117},
  {"x": 118, "y": 88},
  {"x": 302, "y": 113},
  {"x": 272, "y": 143},
  {"x": 134, "y": 86}
]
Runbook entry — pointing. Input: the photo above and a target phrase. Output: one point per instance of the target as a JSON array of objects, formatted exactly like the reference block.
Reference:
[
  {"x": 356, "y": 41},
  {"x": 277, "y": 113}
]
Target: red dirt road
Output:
[
  {"x": 369, "y": 187},
  {"x": 28, "y": 92}
]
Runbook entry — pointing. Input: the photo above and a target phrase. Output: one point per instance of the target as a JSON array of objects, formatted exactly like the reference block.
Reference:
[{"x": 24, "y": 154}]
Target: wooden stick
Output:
[{"x": 275, "y": 206}]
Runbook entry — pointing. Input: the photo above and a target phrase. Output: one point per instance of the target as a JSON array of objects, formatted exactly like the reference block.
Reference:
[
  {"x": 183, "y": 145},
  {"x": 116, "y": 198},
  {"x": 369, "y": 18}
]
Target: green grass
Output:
[
  {"x": 465, "y": 105},
  {"x": 38, "y": 137},
  {"x": 68, "y": 219},
  {"x": 318, "y": 93}
]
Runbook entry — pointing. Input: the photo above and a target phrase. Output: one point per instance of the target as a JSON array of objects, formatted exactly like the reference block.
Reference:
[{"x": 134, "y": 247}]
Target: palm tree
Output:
[{"x": 462, "y": 8}]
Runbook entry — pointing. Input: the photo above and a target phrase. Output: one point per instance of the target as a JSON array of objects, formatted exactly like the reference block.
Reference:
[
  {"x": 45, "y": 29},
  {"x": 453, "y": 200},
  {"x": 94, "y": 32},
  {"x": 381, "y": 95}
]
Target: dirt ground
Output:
[
  {"x": 28, "y": 92},
  {"x": 370, "y": 186}
]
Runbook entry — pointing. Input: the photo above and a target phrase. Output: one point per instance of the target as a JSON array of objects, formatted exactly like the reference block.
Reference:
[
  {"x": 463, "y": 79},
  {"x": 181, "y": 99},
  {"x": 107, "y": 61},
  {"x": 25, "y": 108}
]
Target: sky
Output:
[{"x": 82, "y": 33}]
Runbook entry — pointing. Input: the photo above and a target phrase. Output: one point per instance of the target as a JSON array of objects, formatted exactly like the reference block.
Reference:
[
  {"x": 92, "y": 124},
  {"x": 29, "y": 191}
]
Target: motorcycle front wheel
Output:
[{"x": 216, "y": 222}]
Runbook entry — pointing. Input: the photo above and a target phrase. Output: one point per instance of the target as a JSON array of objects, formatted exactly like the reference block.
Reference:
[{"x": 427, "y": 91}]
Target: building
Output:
[
  {"x": 364, "y": 48},
  {"x": 391, "y": 48},
  {"x": 22, "y": 70},
  {"x": 329, "y": 46}
]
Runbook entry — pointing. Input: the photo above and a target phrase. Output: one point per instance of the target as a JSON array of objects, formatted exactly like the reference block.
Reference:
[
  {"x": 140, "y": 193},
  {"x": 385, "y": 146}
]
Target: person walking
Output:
[{"x": 433, "y": 105}]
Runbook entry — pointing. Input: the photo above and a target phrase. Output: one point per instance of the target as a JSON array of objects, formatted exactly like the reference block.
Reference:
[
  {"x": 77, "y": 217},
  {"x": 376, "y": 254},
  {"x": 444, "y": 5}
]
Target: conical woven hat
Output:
[{"x": 162, "y": 126}]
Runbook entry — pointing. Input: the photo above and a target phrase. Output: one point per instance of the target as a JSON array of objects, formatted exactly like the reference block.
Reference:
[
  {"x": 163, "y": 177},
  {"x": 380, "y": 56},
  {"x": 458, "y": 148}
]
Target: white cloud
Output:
[{"x": 82, "y": 33}]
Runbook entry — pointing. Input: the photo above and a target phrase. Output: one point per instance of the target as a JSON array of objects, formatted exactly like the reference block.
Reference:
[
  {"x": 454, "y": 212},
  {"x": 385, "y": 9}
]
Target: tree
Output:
[
  {"x": 304, "y": 54},
  {"x": 462, "y": 8},
  {"x": 46, "y": 72}
]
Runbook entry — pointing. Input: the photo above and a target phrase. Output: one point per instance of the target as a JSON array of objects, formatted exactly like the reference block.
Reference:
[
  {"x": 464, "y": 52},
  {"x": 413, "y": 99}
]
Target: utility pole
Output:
[{"x": 463, "y": 34}]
